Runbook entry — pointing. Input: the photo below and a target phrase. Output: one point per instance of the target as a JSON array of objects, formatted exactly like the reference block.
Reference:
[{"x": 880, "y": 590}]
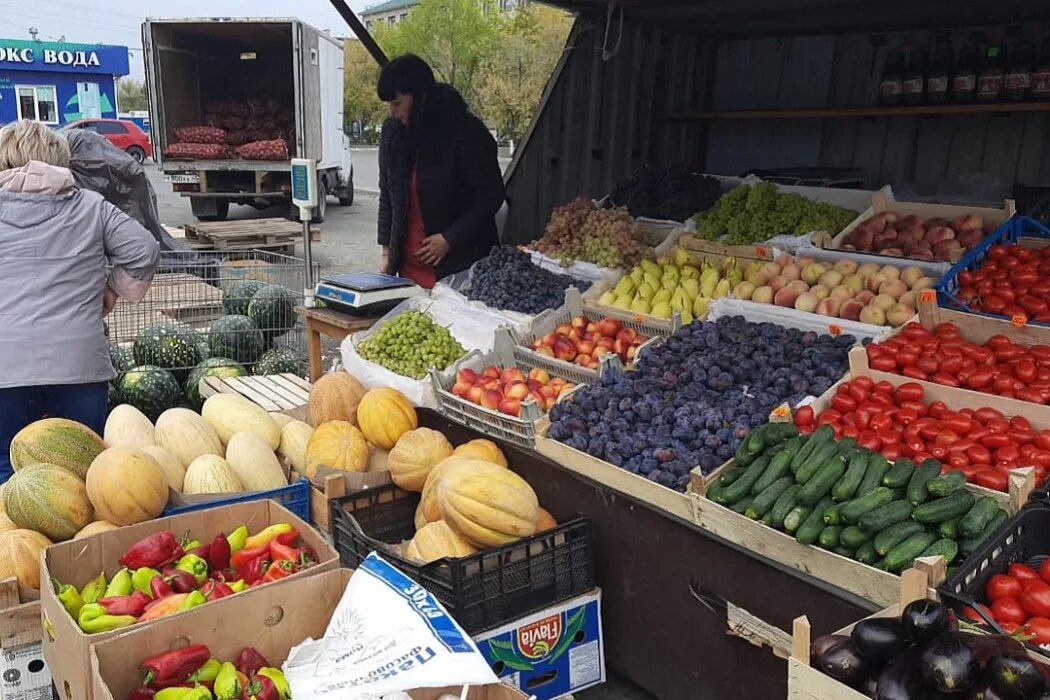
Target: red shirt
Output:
[{"x": 421, "y": 274}]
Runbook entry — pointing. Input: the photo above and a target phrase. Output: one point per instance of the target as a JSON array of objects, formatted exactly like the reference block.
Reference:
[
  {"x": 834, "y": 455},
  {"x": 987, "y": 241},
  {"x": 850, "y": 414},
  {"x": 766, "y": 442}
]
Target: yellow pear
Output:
[
  {"x": 662, "y": 310},
  {"x": 607, "y": 299},
  {"x": 701, "y": 305},
  {"x": 664, "y": 261},
  {"x": 691, "y": 287},
  {"x": 690, "y": 273},
  {"x": 653, "y": 280},
  {"x": 679, "y": 300},
  {"x": 650, "y": 267},
  {"x": 623, "y": 302},
  {"x": 661, "y": 295},
  {"x": 681, "y": 257},
  {"x": 708, "y": 284},
  {"x": 669, "y": 283},
  {"x": 637, "y": 275},
  {"x": 687, "y": 317},
  {"x": 722, "y": 289},
  {"x": 671, "y": 271},
  {"x": 640, "y": 305},
  {"x": 624, "y": 286},
  {"x": 646, "y": 291}
]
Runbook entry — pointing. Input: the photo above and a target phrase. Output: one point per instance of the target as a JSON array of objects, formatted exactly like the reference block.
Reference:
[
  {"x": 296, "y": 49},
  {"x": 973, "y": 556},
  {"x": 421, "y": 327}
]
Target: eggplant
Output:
[
  {"x": 988, "y": 646},
  {"x": 879, "y": 638},
  {"x": 983, "y": 691},
  {"x": 925, "y": 620},
  {"x": 843, "y": 662},
  {"x": 869, "y": 685},
  {"x": 1015, "y": 676},
  {"x": 819, "y": 646},
  {"x": 901, "y": 679},
  {"x": 950, "y": 664}
]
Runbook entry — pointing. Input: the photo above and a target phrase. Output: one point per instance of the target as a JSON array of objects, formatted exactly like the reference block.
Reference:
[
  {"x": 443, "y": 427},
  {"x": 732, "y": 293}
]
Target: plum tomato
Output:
[
  {"x": 1008, "y": 610},
  {"x": 992, "y": 479},
  {"x": 1023, "y": 572}
]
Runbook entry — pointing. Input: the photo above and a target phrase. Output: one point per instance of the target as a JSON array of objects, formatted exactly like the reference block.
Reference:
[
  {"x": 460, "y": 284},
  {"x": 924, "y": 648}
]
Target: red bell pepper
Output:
[
  {"x": 243, "y": 556},
  {"x": 253, "y": 571},
  {"x": 278, "y": 570},
  {"x": 225, "y": 575},
  {"x": 260, "y": 688},
  {"x": 159, "y": 588},
  {"x": 180, "y": 581},
  {"x": 284, "y": 552},
  {"x": 204, "y": 551},
  {"x": 213, "y": 590},
  {"x": 142, "y": 693},
  {"x": 249, "y": 661},
  {"x": 154, "y": 551},
  {"x": 290, "y": 538},
  {"x": 134, "y": 604},
  {"x": 173, "y": 667},
  {"x": 219, "y": 554}
]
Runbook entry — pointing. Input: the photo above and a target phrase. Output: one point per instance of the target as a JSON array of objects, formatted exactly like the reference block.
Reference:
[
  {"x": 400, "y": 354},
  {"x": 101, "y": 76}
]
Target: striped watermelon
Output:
[
  {"x": 212, "y": 367},
  {"x": 150, "y": 389},
  {"x": 168, "y": 346},
  {"x": 48, "y": 499},
  {"x": 272, "y": 310},
  {"x": 237, "y": 338},
  {"x": 63, "y": 443},
  {"x": 280, "y": 361},
  {"x": 237, "y": 296}
]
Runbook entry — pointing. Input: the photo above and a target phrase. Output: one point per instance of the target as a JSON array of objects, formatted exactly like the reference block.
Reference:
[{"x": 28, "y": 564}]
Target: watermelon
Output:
[
  {"x": 212, "y": 367},
  {"x": 201, "y": 339},
  {"x": 168, "y": 346},
  {"x": 64, "y": 443},
  {"x": 121, "y": 358},
  {"x": 237, "y": 338},
  {"x": 237, "y": 296},
  {"x": 150, "y": 389},
  {"x": 280, "y": 361},
  {"x": 272, "y": 310}
]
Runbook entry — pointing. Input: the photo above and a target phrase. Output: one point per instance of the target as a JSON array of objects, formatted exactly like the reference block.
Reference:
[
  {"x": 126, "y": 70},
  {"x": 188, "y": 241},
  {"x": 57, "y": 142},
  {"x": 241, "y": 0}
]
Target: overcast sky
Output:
[{"x": 118, "y": 21}]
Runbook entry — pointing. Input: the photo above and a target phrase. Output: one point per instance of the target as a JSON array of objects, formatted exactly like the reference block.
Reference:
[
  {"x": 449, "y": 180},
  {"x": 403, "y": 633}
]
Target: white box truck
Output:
[{"x": 257, "y": 80}]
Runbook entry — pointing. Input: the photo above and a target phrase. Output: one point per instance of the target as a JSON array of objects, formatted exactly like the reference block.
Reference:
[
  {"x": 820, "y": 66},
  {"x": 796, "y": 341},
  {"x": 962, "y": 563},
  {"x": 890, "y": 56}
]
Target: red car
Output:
[{"x": 123, "y": 134}]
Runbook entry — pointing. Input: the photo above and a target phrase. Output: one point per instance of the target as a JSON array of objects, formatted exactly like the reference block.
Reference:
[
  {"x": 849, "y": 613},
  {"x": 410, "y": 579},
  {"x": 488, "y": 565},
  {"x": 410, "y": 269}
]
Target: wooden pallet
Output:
[
  {"x": 172, "y": 296},
  {"x": 277, "y": 392},
  {"x": 250, "y": 233}
]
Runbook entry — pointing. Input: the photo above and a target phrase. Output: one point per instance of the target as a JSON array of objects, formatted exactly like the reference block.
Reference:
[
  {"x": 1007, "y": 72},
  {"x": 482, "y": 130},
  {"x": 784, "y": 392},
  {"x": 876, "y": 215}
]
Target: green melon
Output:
[
  {"x": 48, "y": 499},
  {"x": 64, "y": 443},
  {"x": 168, "y": 346},
  {"x": 280, "y": 361},
  {"x": 150, "y": 389},
  {"x": 212, "y": 367},
  {"x": 237, "y": 338},
  {"x": 272, "y": 310},
  {"x": 237, "y": 296}
]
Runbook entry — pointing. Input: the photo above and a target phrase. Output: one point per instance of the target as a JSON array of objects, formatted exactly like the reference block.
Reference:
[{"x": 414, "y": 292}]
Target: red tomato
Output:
[
  {"x": 869, "y": 440},
  {"x": 998, "y": 341},
  {"x": 828, "y": 416},
  {"x": 969, "y": 471},
  {"x": 907, "y": 416},
  {"x": 1042, "y": 440},
  {"x": 980, "y": 379},
  {"x": 1023, "y": 572},
  {"x": 915, "y": 330},
  {"x": 957, "y": 424},
  {"x": 1025, "y": 371},
  {"x": 986, "y": 414},
  {"x": 958, "y": 460},
  {"x": 916, "y": 447},
  {"x": 1030, "y": 395},
  {"x": 859, "y": 393},
  {"x": 1009, "y": 453},
  {"x": 1010, "y": 627},
  {"x": 937, "y": 409},
  {"x": 891, "y": 452},
  {"x": 972, "y": 614},
  {"x": 919, "y": 407},
  {"x": 992, "y": 479},
  {"x": 914, "y": 373},
  {"x": 998, "y": 425},
  {"x": 865, "y": 382},
  {"x": 1036, "y": 598},
  {"x": 1021, "y": 437},
  {"x": 1044, "y": 571},
  {"x": 928, "y": 364},
  {"x": 907, "y": 358},
  {"x": 945, "y": 378},
  {"x": 910, "y": 391},
  {"x": 1002, "y": 586},
  {"x": 945, "y": 437},
  {"x": 804, "y": 416},
  {"x": 939, "y": 452},
  {"x": 889, "y": 436},
  {"x": 884, "y": 387},
  {"x": 1039, "y": 628},
  {"x": 850, "y": 431},
  {"x": 883, "y": 363},
  {"x": 1008, "y": 610},
  {"x": 843, "y": 403},
  {"x": 995, "y": 441},
  {"x": 979, "y": 454}
]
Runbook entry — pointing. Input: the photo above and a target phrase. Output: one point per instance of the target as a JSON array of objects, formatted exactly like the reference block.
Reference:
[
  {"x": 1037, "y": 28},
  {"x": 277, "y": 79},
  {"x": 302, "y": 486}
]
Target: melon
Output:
[
  {"x": 335, "y": 396},
  {"x": 126, "y": 486},
  {"x": 280, "y": 361},
  {"x": 20, "y": 556},
  {"x": 127, "y": 426},
  {"x": 384, "y": 415},
  {"x": 167, "y": 345},
  {"x": 237, "y": 338},
  {"x": 281, "y": 419},
  {"x": 378, "y": 459},
  {"x": 210, "y": 474},
  {"x": 415, "y": 454},
  {"x": 64, "y": 443},
  {"x": 437, "y": 541},
  {"x": 238, "y": 294},
  {"x": 48, "y": 499},
  {"x": 254, "y": 463},
  {"x": 6, "y": 523},
  {"x": 337, "y": 445},
  {"x": 295, "y": 436},
  {"x": 150, "y": 389},
  {"x": 545, "y": 521},
  {"x": 212, "y": 367},
  {"x": 172, "y": 466},
  {"x": 427, "y": 511},
  {"x": 230, "y": 414},
  {"x": 272, "y": 310},
  {"x": 187, "y": 435},
  {"x": 482, "y": 449},
  {"x": 486, "y": 504},
  {"x": 94, "y": 529}
]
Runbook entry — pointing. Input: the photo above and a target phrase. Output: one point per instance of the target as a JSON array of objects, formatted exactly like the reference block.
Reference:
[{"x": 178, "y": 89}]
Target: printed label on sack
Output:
[
  {"x": 891, "y": 87},
  {"x": 964, "y": 83},
  {"x": 913, "y": 86}
]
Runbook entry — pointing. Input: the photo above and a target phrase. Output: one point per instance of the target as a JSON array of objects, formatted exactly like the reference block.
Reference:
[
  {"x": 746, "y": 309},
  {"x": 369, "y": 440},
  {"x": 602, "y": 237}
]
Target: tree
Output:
[
  {"x": 131, "y": 95},
  {"x": 360, "y": 73}
]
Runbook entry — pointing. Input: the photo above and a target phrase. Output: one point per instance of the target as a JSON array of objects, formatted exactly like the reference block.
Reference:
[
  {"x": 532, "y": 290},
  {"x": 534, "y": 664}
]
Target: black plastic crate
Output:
[
  {"x": 1023, "y": 538},
  {"x": 486, "y": 589},
  {"x": 1033, "y": 202}
]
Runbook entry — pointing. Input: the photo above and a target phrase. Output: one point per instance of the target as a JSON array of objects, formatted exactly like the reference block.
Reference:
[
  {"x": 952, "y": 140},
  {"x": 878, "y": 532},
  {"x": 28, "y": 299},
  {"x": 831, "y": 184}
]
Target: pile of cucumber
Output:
[{"x": 847, "y": 499}]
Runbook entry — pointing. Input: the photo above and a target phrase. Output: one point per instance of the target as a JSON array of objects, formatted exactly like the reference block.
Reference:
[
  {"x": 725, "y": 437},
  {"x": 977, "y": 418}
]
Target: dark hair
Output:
[{"x": 408, "y": 75}]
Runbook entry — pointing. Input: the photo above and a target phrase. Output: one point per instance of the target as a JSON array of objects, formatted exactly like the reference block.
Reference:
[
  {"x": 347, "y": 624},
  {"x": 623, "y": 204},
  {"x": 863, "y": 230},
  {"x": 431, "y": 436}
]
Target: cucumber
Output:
[
  {"x": 784, "y": 503},
  {"x": 764, "y": 501},
  {"x": 847, "y": 443},
  {"x": 714, "y": 489},
  {"x": 795, "y": 517},
  {"x": 779, "y": 433},
  {"x": 847, "y": 486},
  {"x": 954, "y": 506},
  {"x": 973, "y": 523},
  {"x": 751, "y": 446},
  {"x": 810, "y": 530},
  {"x": 851, "y": 512},
  {"x": 949, "y": 549},
  {"x": 866, "y": 554},
  {"x": 900, "y": 493},
  {"x": 853, "y": 537},
  {"x": 902, "y": 556},
  {"x": 742, "y": 486},
  {"x": 899, "y": 474},
  {"x": 732, "y": 473},
  {"x": 831, "y": 515},
  {"x": 877, "y": 466},
  {"x": 816, "y": 439},
  {"x": 845, "y": 552},
  {"x": 947, "y": 484},
  {"x": 823, "y": 481},
  {"x": 829, "y": 536},
  {"x": 742, "y": 505},
  {"x": 818, "y": 459},
  {"x": 998, "y": 519},
  {"x": 892, "y": 536},
  {"x": 949, "y": 528},
  {"x": 926, "y": 472},
  {"x": 880, "y": 564},
  {"x": 766, "y": 519},
  {"x": 882, "y": 517},
  {"x": 778, "y": 467},
  {"x": 968, "y": 547}
]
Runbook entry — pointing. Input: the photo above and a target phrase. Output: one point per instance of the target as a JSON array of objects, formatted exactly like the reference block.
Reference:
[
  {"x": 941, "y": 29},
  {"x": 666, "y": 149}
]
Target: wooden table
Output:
[{"x": 335, "y": 324}]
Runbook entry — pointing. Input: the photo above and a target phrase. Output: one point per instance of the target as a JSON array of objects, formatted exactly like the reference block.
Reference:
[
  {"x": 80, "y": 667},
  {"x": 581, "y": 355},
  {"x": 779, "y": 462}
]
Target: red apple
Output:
[
  {"x": 609, "y": 327},
  {"x": 512, "y": 374},
  {"x": 510, "y": 406},
  {"x": 517, "y": 390},
  {"x": 468, "y": 376},
  {"x": 491, "y": 398},
  {"x": 549, "y": 393},
  {"x": 492, "y": 383},
  {"x": 539, "y": 374},
  {"x": 606, "y": 342}
]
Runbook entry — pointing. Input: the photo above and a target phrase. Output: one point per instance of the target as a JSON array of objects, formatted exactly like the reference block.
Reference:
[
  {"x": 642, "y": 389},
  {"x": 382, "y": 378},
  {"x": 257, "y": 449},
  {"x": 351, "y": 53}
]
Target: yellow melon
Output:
[
  {"x": 384, "y": 415},
  {"x": 487, "y": 504},
  {"x": 427, "y": 511},
  {"x": 335, "y": 396},
  {"x": 415, "y": 454},
  {"x": 437, "y": 541},
  {"x": 337, "y": 445},
  {"x": 482, "y": 449}
]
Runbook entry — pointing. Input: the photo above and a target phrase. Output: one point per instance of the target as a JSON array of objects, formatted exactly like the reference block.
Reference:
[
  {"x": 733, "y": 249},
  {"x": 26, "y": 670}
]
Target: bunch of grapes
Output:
[
  {"x": 411, "y": 344},
  {"x": 606, "y": 237},
  {"x": 507, "y": 279},
  {"x": 751, "y": 214}
]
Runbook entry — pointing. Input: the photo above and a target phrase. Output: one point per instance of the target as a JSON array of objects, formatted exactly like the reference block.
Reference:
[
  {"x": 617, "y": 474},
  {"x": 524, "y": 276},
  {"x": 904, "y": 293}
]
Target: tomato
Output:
[
  {"x": 843, "y": 403},
  {"x": 995, "y": 441},
  {"x": 910, "y": 391},
  {"x": 862, "y": 418},
  {"x": 929, "y": 432},
  {"x": 883, "y": 363},
  {"x": 1039, "y": 629},
  {"x": 928, "y": 364},
  {"x": 850, "y": 431},
  {"x": 951, "y": 363},
  {"x": 859, "y": 393},
  {"x": 1008, "y": 453},
  {"x": 958, "y": 460},
  {"x": 866, "y": 382},
  {"x": 1025, "y": 371},
  {"x": 1023, "y": 572},
  {"x": 945, "y": 437},
  {"x": 1044, "y": 571},
  {"x": 869, "y": 440},
  {"x": 979, "y": 454},
  {"x": 891, "y": 452},
  {"x": 1009, "y": 627},
  {"x": 1031, "y": 395},
  {"x": 889, "y": 436},
  {"x": 914, "y": 373},
  {"x": 992, "y": 479},
  {"x": 829, "y": 416},
  {"x": 939, "y": 452},
  {"x": 907, "y": 416},
  {"x": 1008, "y": 353},
  {"x": 972, "y": 614},
  {"x": 1042, "y": 440},
  {"x": 998, "y": 425},
  {"x": 946, "y": 328},
  {"x": 881, "y": 421},
  {"x": 969, "y": 471},
  {"x": 1021, "y": 437},
  {"x": 957, "y": 424},
  {"x": 915, "y": 330},
  {"x": 998, "y": 341},
  {"x": 916, "y": 447},
  {"x": 1008, "y": 610},
  {"x": 1002, "y": 586},
  {"x": 937, "y": 409},
  {"x": 804, "y": 416},
  {"x": 907, "y": 358},
  {"x": 980, "y": 379},
  {"x": 919, "y": 407},
  {"x": 986, "y": 414},
  {"x": 1036, "y": 598},
  {"x": 945, "y": 378}
]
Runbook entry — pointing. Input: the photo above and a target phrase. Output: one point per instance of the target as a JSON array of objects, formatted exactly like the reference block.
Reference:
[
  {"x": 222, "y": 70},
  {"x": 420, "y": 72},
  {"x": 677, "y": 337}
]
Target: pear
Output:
[
  {"x": 653, "y": 280},
  {"x": 701, "y": 306},
  {"x": 687, "y": 317},
  {"x": 681, "y": 257},
  {"x": 680, "y": 300},
  {"x": 664, "y": 261},
  {"x": 691, "y": 287},
  {"x": 646, "y": 291},
  {"x": 623, "y": 302},
  {"x": 637, "y": 275},
  {"x": 661, "y": 295},
  {"x": 640, "y": 305},
  {"x": 607, "y": 299},
  {"x": 650, "y": 267},
  {"x": 672, "y": 273},
  {"x": 707, "y": 285},
  {"x": 670, "y": 283},
  {"x": 663, "y": 310},
  {"x": 690, "y": 273},
  {"x": 624, "y": 286},
  {"x": 722, "y": 289}
]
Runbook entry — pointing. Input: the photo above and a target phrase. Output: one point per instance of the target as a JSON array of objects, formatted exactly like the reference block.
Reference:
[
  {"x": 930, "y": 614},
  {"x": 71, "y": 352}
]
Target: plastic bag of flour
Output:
[{"x": 388, "y": 634}]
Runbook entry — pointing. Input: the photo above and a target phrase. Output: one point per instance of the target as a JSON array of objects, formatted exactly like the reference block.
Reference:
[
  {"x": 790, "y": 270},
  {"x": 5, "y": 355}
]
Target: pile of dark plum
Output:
[
  {"x": 507, "y": 279},
  {"x": 691, "y": 399}
]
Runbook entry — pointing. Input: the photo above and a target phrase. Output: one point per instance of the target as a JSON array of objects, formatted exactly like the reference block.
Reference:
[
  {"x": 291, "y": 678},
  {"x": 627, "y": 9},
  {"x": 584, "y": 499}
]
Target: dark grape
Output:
[{"x": 507, "y": 279}]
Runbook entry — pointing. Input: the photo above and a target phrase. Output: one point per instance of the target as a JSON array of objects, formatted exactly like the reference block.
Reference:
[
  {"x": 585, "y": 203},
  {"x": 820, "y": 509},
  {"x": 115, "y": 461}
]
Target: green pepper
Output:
[
  {"x": 193, "y": 599},
  {"x": 93, "y": 619},
  {"x": 227, "y": 684},
  {"x": 196, "y": 693},
  {"x": 237, "y": 538},
  {"x": 207, "y": 672},
  {"x": 94, "y": 589},
  {"x": 119, "y": 585},
  {"x": 193, "y": 564},
  {"x": 140, "y": 580},
  {"x": 237, "y": 586},
  {"x": 191, "y": 544},
  {"x": 275, "y": 675},
  {"x": 70, "y": 598}
]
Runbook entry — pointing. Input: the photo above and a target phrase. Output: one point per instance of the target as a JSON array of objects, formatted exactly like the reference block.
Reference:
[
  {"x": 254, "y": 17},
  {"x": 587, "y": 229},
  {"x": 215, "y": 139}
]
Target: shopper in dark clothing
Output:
[{"x": 440, "y": 184}]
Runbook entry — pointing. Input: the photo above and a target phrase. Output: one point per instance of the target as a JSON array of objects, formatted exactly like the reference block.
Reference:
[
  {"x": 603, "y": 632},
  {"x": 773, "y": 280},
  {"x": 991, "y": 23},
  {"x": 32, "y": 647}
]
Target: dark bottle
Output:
[
  {"x": 939, "y": 80},
  {"x": 992, "y": 80},
  {"x": 1041, "y": 75},
  {"x": 1022, "y": 67},
  {"x": 891, "y": 87},
  {"x": 964, "y": 83},
  {"x": 915, "y": 76}
]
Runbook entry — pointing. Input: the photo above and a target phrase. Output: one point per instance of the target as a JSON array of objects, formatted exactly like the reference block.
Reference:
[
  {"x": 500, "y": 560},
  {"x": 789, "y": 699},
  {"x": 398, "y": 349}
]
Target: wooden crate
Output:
[
  {"x": 706, "y": 248},
  {"x": 21, "y": 642},
  {"x": 274, "y": 393},
  {"x": 979, "y": 328},
  {"x": 256, "y": 232}
]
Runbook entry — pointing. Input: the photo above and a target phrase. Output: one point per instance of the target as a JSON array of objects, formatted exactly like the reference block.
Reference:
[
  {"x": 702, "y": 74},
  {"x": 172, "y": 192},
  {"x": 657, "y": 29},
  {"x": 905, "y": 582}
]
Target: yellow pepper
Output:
[
  {"x": 237, "y": 538},
  {"x": 262, "y": 538},
  {"x": 238, "y": 586},
  {"x": 279, "y": 681},
  {"x": 228, "y": 684}
]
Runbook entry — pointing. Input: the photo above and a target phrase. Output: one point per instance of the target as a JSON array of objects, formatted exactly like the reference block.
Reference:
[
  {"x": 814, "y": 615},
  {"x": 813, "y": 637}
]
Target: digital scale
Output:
[{"x": 366, "y": 292}]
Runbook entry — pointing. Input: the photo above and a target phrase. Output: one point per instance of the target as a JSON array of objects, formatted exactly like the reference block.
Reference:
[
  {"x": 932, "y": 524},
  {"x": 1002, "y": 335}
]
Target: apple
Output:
[
  {"x": 865, "y": 297},
  {"x": 829, "y": 306},
  {"x": 475, "y": 393},
  {"x": 557, "y": 382},
  {"x": 539, "y": 374},
  {"x": 491, "y": 383},
  {"x": 850, "y": 309},
  {"x": 510, "y": 406},
  {"x": 599, "y": 351},
  {"x": 606, "y": 343},
  {"x": 763, "y": 295},
  {"x": 565, "y": 390},
  {"x": 549, "y": 339},
  {"x": 609, "y": 327},
  {"x": 873, "y": 314},
  {"x": 786, "y": 297},
  {"x": 512, "y": 374},
  {"x": 845, "y": 267},
  {"x": 540, "y": 401},
  {"x": 467, "y": 376},
  {"x": 549, "y": 393},
  {"x": 517, "y": 390},
  {"x": 807, "y": 301},
  {"x": 899, "y": 315},
  {"x": 831, "y": 278},
  {"x": 628, "y": 336},
  {"x": 593, "y": 337},
  {"x": 461, "y": 389},
  {"x": 576, "y": 334},
  {"x": 592, "y": 327},
  {"x": 841, "y": 292},
  {"x": 884, "y": 301},
  {"x": 821, "y": 291},
  {"x": 777, "y": 283}
]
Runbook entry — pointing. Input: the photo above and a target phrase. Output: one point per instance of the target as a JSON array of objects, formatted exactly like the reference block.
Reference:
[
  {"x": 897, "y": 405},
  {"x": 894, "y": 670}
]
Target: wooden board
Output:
[
  {"x": 174, "y": 296},
  {"x": 19, "y": 616},
  {"x": 248, "y": 228},
  {"x": 979, "y": 328},
  {"x": 705, "y": 247},
  {"x": 279, "y": 392}
]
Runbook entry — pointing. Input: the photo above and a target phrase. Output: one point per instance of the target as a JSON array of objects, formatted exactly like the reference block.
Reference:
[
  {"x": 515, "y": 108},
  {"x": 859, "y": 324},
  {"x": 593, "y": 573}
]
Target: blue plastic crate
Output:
[
  {"x": 295, "y": 497},
  {"x": 1011, "y": 231}
]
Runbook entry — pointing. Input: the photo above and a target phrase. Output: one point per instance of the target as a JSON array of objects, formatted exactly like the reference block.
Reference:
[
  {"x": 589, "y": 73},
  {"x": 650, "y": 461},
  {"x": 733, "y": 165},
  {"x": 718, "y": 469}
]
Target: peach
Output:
[
  {"x": 821, "y": 291},
  {"x": 873, "y": 283},
  {"x": 910, "y": 275},
  {"x": 909, "y": 299},
  {"x": 545, "y": 350},
  {"x": 867, "y": 270},
  {"x": 895, "y": 288},
  {"x": 491, "y": 398},
  {"x": 586, "y": 347},
  {"x": 850, "y": 309},
  {"x": 580, "y": 322},
  {"x": 557, "y": 382},
  {"x": 564, "y": 349},
  {"x": 804, "y": 260},
  {"x": 492, "y": 372},
  {"x": 891, "y": 272},
  {"x": 539, "y": 374},
  {"x": 758, "y": 278},
  {"x": 516, "y": 390},
  {"x": 807, "y": 301},
  {"x": 812, "y": 272},
  {"x": 854, "y": 282},
  {"x": 967, "y": 221},
  {"x": 923, "y": 283},
  {"x": 786, "y": 297},
  {"x": 563, "y": 328},
  {"x": 576, "y": 334},
  {"x": 899, "y": 315},
  {"x": 512, "y": 374},
  {"x": 841, "y": 292},
  {"x": 627, "y": 335},
  {"x": 910, "y": 220},
  {"x": 832, "y": 278},
  {"x": 582, "y": 361},
  {"x": 592, "y": 327},
  {"x": 763, "y": 295},
  {"x": 540, "y": 401},
  {"x": 491, "y": 383},
  {"x": 865, "y": 297},
  {"x": 785, "y": 259},
  {"x": 939, "y": 233},
  {"x": 778, "y": 283},
  {"x": 791, "y": 272},
  {"x": 549, "y": 393},
  {"x": 534, "y": 384},
  {"x": 549, "y": 340},
  {"x": 461, "y": 389},
  {"x": 845, "y": 267},
  {"x": 743, "y": 290},
  {"x": 873, "y": 314},
  {"x": 510, "y": 406},
  {"x": 799, "y": 286},
  {"x": 829, "y": 306},
  {"x": 771, "y": 270},
  {"x": 609, "y": 327},
  {"x": 884, "y": 301},
  {"x": 475, "y": 393}
]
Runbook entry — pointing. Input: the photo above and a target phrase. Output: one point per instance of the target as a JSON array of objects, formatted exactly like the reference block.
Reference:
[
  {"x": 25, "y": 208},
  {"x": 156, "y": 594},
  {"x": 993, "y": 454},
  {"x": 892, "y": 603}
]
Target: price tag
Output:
[
  {"x": 761, "y": 250},
  {"x": 639, "y": 319},
  {"x": 781, "y": 411},
  {"x": 834, "y": 329},
  {"x": 928, "y": 295},
  {"x": 1019, "y": 320}
]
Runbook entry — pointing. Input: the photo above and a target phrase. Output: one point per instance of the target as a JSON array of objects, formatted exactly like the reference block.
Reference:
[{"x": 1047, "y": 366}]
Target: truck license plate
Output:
[{"x": 182, "y": 178}]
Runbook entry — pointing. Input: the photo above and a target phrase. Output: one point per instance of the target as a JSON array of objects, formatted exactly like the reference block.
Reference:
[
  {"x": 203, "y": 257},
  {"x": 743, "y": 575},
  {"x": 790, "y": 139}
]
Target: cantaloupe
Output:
[
  {"x": 335, "y": 396},
  {"x": 94, "y": 529},
  {"x": 64, "y": 443},
  {"x": 172, "y": 466},
  {"x": 487, "y": 504},
  {"x": 126, "y": 486},
  {"x": 384, "y": 415},
  {"x": 437, "y": 541},
  {"x": 20, "y": 556},
  {"x": 295, "y": 436},
  {"x": 6, "y": 523},
  {"x": 127, "y": 426},
  {"x": 210, "y": 474},
  {"x": 230, "y": 414},
  {"x": 187, "y": 435},
  {"x": 48, "y": 499},
  {"x": 482, "y": 449},
  {"x": 337, "y": 445}
]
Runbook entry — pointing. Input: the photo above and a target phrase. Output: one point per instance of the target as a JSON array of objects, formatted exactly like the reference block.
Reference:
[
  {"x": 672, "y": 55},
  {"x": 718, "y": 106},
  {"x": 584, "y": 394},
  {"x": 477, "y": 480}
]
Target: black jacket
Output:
[{"x": 459, "y": 180}]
